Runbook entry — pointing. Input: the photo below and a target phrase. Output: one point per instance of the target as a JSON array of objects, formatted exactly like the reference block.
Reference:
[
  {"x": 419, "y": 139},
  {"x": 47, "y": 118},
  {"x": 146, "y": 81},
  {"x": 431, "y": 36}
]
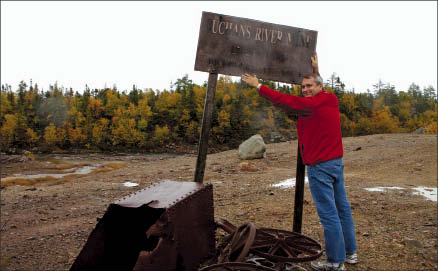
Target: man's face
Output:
[{"x": 309, "y": 88}]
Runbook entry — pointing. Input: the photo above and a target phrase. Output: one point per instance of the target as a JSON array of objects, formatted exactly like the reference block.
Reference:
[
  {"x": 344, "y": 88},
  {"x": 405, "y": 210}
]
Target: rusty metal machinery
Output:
[
  {"x": 276, "y": 249},
  {"x": 279, "y": 245},
  {"x": 238, "y": 245},
  {"x": 285, "y": 246},
  {"x": 167, "y": 226}
]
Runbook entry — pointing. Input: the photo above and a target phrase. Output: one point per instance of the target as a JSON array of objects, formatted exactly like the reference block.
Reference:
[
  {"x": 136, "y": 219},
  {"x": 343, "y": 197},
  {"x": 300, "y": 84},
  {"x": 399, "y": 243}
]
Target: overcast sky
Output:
[{"x": 151, "y": 44}]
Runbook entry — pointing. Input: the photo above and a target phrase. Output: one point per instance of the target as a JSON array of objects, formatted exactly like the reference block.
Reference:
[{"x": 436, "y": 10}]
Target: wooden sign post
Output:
[
  {"x": 234, "y": 46},
  {"x": 299, "y": 193},
  {"x": 206, "y": 125}
]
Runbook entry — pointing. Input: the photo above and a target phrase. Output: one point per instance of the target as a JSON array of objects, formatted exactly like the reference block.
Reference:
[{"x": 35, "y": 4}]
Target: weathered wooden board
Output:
[{"x": 232, "y": 46}]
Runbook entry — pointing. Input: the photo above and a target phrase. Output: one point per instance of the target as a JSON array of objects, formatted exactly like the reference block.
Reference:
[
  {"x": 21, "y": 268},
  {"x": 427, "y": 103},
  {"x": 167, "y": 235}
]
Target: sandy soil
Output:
[{"x": 44, "y": 226}]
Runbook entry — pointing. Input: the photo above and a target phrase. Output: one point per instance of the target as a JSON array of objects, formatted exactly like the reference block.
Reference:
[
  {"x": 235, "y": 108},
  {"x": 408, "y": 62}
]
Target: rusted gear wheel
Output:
[
  {"x": 236, "y": 267},
  {"x": 225, "y": 225},
  {"x": 285, "y": 246},
  {"x": 241, "y": 240}
]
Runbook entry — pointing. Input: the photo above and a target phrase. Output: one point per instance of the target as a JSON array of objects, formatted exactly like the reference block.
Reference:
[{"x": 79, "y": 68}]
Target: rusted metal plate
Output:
[
  {"x": 167, "y": 226},
  {"x": 164, "y": 194},
  {"x": 233, "y": 45},
  {"x": 187, "y": 233}
]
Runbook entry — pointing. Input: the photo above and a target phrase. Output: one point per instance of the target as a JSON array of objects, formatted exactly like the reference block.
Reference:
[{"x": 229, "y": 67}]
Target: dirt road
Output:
[{"x": 45, "y": 225}]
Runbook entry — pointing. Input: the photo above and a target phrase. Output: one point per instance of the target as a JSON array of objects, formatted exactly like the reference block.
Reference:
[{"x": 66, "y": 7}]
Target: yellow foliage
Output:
[
  {"x": 404, "y": 111},
  {"x": 100, "y": 131},
  {"x": 5, "y": 105},
  {"x": 124, "y": 100},
  {"x": 226, "y": 98},
  {"x": 199, "y": 100},
  {"x": 365, "y": 126},
  {"x": 348, "y": 127},
  {"x": 95, "y": 106},
  {"x": 61, "y": 135},
  {"x": 192, "y": 131},
  {"x": 185, "y": 116},
  {"x": 132, "y": 111},
  {"x": 432, "y": 128},
  {"x": 378, "y": 104},
  {"x": 7, "y": 131},
  {"x": 348, "y": 100},
  {"x": 124, "y": 132},
  {"x": 431, "y": 119},
  {"x": 32, "y": 137},
  {"x": 76, "y": 117},
  {"x": 113, "y": 102},
  {"x": 253, "y": 97},
  {"x": 167, "y": 101},
  {"x": 224, "y": 118},
  {"x": 50, "y": 136},
  {"x": 161, "y": 134},
  {"x": 144, "y": 109},
  {"x": 173, "y": 99},
  {"x": 384, "y": 121},
  {"x": 76, "y": 135}
]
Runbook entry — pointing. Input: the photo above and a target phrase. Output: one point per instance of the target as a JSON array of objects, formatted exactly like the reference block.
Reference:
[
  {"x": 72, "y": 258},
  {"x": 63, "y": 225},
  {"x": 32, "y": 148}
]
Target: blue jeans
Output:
[{"x": 326, "y": 181}]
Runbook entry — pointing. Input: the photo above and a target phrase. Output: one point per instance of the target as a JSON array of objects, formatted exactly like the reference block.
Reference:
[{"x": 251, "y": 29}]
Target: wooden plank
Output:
[
  {"x": 299, "y": 193},
  {"x": 205, "y": 129},
  {"x": 233, "y": 45}
]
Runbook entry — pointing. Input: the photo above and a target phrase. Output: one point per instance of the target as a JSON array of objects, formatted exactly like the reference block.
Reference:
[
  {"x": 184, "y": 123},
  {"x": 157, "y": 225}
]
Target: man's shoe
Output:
[
  {"x": 327, "y": 266},
  {"x": 351, "y": 258}
]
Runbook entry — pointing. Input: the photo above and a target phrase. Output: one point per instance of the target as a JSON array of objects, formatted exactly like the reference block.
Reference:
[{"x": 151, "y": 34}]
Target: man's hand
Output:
[
  {"x": 314, "y": 60},
  {"x": 250, "y": 80}
]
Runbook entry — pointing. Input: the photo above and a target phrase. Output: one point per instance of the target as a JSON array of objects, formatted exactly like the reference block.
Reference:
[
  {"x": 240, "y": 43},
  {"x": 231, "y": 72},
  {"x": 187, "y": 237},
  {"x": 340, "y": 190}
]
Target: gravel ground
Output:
[{"x": 45, "y": 225}]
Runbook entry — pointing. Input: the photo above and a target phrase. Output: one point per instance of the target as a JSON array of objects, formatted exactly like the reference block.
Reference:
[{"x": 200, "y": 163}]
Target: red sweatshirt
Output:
[{"x": 319, "y": 124}]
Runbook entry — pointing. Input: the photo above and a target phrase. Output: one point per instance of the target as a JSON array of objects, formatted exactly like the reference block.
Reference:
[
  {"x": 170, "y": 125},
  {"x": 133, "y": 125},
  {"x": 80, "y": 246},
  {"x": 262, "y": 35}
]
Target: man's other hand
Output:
[
  {"x": 250, "y": 80},
  {"x": 314, "y": 60}
]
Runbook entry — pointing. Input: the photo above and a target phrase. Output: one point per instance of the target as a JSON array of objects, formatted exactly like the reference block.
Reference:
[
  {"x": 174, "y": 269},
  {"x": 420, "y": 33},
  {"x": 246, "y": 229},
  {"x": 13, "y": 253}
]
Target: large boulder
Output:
[{"x": 252, "y": 148}]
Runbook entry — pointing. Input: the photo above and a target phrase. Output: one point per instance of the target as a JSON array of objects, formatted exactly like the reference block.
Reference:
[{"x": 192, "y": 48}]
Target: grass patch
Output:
[
  {"x": 25, "y": 182},
  {"x": 116, "y": 165},
  {"x": 54, "y": 181},
  {"x": 65, "y": 179},
  {"x": 100, "y": 170}
]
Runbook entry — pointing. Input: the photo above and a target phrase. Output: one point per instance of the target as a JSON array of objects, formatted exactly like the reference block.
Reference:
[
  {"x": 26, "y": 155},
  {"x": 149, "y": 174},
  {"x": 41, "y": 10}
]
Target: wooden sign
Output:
[{"x": 233, "y": 46}]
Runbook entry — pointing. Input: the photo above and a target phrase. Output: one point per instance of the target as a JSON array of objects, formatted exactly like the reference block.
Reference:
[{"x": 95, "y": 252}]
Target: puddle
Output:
[
  {"x": 429, "y": 193},
  {"x": 383, "y": 188},
  {"x": 129, "y": 184},
  {"x": 288, "y": 183},
  {"x": 82, "y": 170}
]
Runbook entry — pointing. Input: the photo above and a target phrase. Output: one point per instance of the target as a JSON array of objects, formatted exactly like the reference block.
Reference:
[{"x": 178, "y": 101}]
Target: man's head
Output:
[{"x": 311, "y": 85}]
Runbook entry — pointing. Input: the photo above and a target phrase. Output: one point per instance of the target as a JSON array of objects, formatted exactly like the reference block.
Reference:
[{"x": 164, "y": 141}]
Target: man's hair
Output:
[{"x": 317, "y": 78}]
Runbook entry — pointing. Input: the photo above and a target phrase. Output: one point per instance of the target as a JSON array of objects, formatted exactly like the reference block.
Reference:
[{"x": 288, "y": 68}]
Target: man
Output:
[{"x": 320, "y": 143}]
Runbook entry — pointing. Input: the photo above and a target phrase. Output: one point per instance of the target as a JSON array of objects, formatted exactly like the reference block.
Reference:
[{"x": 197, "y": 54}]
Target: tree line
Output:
[{"x": 108, "y": 119}]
